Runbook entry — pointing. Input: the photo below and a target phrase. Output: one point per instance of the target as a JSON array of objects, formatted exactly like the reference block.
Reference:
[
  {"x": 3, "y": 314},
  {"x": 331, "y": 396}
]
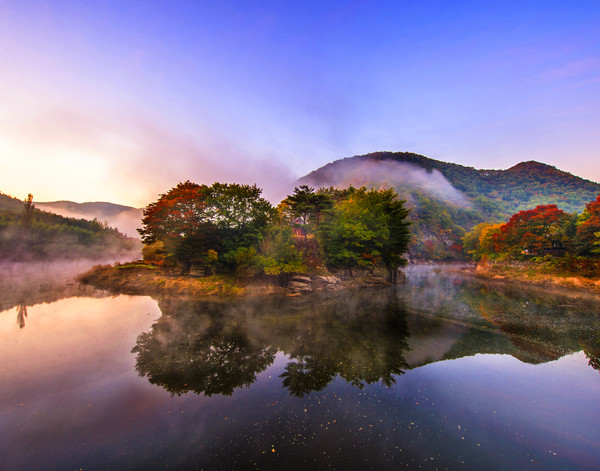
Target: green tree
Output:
[
  {"x": 365, "y": 230},
  {"x": 279, "y": 255},
  {"x": 588, "y": 225},
  {"x": 240, "y": 214},
  {"x": 301, "y": 202},
  {"x": 27, "y": 217},
  {"x": 192, "y": 220}
]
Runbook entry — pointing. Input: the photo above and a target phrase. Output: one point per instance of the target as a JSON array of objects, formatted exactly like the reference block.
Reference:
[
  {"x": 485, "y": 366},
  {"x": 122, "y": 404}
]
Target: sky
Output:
[{"x": 119, "y": 101}]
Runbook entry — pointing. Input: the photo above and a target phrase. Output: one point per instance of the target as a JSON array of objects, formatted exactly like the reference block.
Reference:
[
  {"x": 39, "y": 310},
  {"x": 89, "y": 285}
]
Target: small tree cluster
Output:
[
  {"x": 536, "y": 232},
  {"x": 353, "y": 228},
  {"x": 194, "y": 222},
  {"x": 366, "y": 229}
]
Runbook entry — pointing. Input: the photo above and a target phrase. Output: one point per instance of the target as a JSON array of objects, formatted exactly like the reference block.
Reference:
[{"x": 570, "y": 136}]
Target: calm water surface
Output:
[{"x": 440, "y": 373}]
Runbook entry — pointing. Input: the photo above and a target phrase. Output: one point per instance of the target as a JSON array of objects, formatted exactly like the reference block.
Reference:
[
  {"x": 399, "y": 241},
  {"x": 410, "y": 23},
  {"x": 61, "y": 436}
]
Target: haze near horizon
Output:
[{"x": 118, "y": 101}]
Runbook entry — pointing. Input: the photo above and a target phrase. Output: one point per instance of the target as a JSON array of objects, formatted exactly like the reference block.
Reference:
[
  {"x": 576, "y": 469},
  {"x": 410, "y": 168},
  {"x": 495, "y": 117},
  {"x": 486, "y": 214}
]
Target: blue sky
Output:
[{"x": 120, "y": 100}]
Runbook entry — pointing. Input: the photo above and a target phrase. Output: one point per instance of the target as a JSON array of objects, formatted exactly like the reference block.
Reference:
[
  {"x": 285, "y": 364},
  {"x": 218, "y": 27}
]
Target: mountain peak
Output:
[{"x": 531, "y": 165}]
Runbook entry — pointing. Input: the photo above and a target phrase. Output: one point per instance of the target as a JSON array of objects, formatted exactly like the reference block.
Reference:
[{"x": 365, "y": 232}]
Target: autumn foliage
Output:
[
  {"x": 588, "y": 230},
  {"x": 534, "y": 231},
  {"x": 200, "y": 225},
  {"x": 230, "y": 228},
  {"x": 543, "y": 231}
]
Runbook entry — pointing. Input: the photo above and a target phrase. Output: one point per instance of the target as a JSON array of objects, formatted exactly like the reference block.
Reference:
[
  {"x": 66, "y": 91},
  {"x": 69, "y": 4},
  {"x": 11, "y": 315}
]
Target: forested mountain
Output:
[
  {"x": 8, "y": 203},
  {"x": 448, "y": 199},
  {"x": 28, "y": 234},
  {"x": 125, "y": 218}
]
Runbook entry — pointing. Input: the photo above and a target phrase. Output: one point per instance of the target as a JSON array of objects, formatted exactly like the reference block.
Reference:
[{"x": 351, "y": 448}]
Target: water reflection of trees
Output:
[
  {"x": 215, "y": 347},
  {"x": 21, "y": 315},
  {"x": 533, "y": 325},
  {"x": 364, "y": 345},
  {"x": 25, "y": 284},
  {"x": 200, "y": 355}
]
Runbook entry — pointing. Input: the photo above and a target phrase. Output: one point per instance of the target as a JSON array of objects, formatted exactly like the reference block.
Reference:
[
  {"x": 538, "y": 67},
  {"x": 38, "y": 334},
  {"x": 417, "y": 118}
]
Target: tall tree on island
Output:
[{"x": 366, "y": 229}]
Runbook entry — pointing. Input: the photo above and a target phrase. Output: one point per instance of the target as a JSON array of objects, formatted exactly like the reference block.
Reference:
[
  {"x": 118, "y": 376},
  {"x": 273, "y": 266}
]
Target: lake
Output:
[{"x": 443, "y": 372}]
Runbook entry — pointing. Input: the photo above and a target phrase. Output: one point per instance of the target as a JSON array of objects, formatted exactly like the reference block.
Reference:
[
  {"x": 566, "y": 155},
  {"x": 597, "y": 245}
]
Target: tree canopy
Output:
[
  {"x": 366, "y": 229},
  {"x": 231, "y": 227},
  {"x": 195, "y": 221},
  {"x": 534, "y": 230},
  {"x": 544, "y": 230}
]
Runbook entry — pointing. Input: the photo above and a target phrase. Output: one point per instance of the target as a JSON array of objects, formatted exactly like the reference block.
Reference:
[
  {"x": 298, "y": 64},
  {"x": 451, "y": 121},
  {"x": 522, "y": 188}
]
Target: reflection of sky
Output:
[
  {"x": 70, "y": 398},
  {"x": 120, "y": 101}
]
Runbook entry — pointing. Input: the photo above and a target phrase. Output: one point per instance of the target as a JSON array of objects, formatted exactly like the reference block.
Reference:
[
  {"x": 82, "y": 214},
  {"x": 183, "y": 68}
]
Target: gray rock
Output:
[
  {"x": 301, "y": 279},
  {"x": 299, "y": 287}
]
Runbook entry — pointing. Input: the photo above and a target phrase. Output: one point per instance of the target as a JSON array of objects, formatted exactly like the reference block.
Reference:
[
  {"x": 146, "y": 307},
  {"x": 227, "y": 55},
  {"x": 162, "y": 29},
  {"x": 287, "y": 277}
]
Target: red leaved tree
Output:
[
  {"x": 180, "y": 220},
  {"x": 588, "y": 226},
  {"x": 533, "y": 231}
]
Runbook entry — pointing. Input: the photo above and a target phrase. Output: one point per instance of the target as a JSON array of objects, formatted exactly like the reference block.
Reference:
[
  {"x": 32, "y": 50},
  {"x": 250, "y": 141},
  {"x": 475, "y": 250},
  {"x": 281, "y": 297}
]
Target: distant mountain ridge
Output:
[
  {"x": 37, "y": 235},
  {"x": 571, "y": 192},
  {"x": 448, "y": 199},
  {"x": 125, "y": 218}
]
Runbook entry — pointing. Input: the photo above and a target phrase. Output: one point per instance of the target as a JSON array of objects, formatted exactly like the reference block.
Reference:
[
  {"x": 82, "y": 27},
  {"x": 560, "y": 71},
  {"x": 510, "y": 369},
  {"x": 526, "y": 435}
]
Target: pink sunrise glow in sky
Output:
[{"x": 118, "y": 101}]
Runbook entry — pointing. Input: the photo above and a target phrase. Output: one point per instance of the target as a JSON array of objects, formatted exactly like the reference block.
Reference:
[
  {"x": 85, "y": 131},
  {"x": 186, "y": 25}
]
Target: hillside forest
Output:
[
  {"x": 569, "y": 242},
  {"x": 28, "y": 234},
  {"x": 447, "y": 200}
]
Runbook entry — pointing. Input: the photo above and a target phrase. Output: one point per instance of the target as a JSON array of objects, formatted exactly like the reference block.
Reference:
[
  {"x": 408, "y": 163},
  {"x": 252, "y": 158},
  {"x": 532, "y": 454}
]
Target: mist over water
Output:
[
  {"x": 26, "y": 284},
  {"x": 439, "y": 373}
]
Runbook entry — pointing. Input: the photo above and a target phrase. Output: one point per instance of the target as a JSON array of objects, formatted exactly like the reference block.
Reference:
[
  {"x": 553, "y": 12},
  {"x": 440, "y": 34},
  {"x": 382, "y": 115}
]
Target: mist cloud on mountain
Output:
[{"x": 387, "y": 173}]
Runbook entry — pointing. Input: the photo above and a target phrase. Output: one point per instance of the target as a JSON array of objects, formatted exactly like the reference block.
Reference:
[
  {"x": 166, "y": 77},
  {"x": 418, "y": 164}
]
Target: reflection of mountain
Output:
[
  {"x": 541, "y": 327},
  {"x": 532, "y": 325}
]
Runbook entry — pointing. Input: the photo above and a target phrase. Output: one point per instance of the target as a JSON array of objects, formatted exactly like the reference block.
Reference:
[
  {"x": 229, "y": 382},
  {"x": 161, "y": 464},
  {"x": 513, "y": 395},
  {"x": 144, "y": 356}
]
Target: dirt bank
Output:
[
  {"x": 530, "y": 275},
  {"x": 146, "y": 279}
]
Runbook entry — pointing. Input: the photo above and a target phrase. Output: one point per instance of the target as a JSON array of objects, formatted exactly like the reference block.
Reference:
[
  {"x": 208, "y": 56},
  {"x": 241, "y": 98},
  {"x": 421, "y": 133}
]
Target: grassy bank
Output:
[
  {"x": 538, "y": 274},
  {"x": 142, "y": 278}
]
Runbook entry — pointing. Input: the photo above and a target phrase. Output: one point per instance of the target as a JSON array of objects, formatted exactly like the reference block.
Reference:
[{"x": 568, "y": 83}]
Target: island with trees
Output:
[{"x": 227, "y": 239}]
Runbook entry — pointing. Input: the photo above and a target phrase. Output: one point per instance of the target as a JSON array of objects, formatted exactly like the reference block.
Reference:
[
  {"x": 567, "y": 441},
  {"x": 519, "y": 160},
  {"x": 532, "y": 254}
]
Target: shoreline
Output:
[
  {"x": 566, "y": 284},
  {"x": 138, "y": 278}
]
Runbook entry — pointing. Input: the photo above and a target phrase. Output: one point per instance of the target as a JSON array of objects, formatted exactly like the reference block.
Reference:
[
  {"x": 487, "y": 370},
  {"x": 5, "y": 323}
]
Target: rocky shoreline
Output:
[{"x": 144, "y": 279}]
